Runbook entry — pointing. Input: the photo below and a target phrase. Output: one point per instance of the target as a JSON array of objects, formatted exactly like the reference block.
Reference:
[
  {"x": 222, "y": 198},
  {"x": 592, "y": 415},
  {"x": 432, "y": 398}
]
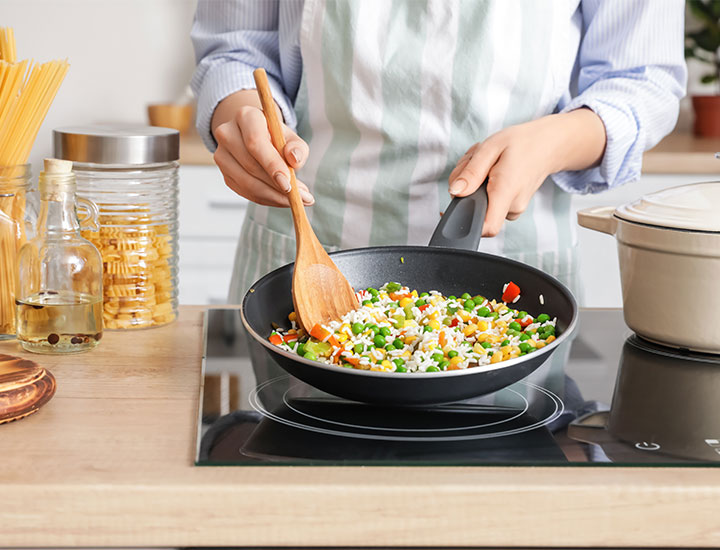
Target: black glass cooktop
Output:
[{"x": 608, "y": 398}]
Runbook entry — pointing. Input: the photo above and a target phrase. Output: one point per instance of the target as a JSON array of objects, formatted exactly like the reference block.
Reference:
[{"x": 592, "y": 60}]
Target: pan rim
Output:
[{"x": 547, "y": 350}]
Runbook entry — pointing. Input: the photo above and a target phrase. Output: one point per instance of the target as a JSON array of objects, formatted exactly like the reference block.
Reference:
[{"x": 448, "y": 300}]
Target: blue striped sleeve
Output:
[
  {"x": 632, "y": 74},
  {"x": 231, "y": 39}
]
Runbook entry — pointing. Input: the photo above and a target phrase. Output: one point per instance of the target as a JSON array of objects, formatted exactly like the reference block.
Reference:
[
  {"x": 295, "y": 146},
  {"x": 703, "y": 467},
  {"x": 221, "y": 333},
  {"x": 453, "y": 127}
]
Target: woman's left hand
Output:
[{"x": 518, "y": 159}]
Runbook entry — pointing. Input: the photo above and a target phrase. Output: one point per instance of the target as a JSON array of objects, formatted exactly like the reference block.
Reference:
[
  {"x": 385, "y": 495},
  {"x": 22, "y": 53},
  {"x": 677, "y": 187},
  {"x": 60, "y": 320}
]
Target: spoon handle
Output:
[{"x": 278, "y": 140}]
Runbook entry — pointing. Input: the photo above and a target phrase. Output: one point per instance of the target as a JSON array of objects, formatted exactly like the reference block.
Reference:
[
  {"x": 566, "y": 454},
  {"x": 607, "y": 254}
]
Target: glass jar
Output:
[
  {"x": 131, "y": 173},
  {"x": 16, "y": 210},
  {"x": 59, "y": 297}
]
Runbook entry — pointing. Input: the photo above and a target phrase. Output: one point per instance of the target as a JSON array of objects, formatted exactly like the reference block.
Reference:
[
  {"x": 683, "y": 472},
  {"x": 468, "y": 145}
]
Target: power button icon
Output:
[{"x": 645, "y": 446}]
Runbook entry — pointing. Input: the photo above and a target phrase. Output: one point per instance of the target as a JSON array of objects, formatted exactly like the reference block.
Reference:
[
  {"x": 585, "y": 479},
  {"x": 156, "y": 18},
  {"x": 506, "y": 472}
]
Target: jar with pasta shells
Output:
[{"x": 131, "y": 173}]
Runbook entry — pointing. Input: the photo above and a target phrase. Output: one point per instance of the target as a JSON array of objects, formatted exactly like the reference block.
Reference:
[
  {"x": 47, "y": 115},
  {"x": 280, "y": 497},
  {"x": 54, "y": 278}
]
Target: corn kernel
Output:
[
  {"x": 345, "y": 327},
  {"x": 410, "y": 339},
  {"x": 433, "y": 315},
  {"x": 414, "y": 294},
  {"x": 539, "y": 345},
  {"x": 405, "y": 301},
  {"x": 387, "y": 364},
  {"x": 482, "y": 337},
  {"x": 434, "y": 300},
  {"x": 549, "y": 339},
  {"x": 477, "y": 348},
  {"x": 292, "y": 316},
  {"x": 468, "y": 330},
  {"x": 430, "y": 345},
  {"x": 434, "y": 324},
  {"x": 482, "y": 325},
  {"x": 502, "y": 325},
  {"x": 405, "y": 353},
  {"x": 497, "y": 357},
  {"x": 383, "y": 295},
  {"x": 456, "y": 360},
  {"x": 376, "y": 368},
  {"x": 410, "y": 323},
  {"x": 341, "y": 337},
  {"x": 502, "y": 310},
  {"x": 464, "y": 315}
]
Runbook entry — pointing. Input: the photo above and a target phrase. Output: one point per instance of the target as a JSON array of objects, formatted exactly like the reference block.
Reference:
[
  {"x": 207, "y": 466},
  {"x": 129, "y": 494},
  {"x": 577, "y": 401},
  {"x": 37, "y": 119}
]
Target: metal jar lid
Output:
[{"x": 117, "y": 144}]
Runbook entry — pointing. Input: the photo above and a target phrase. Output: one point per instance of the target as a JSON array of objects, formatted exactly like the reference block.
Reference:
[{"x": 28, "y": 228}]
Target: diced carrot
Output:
[
  {"x": 319, "y": 332},
  {"x": 424, "y": 307},
  {"x": 276, "y": 339},
  {"x": 354, "y": 361},
  {"x": 290, "y": 337},
  {"x": 441, "y": 339},
  {"x": 525, "y": 321}
]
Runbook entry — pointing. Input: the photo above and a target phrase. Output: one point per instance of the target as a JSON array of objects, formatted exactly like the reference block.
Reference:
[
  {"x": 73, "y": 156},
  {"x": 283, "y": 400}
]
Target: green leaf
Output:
[
  {"x": 708, "y": 39},
  {"x": 709, "y": 78}
]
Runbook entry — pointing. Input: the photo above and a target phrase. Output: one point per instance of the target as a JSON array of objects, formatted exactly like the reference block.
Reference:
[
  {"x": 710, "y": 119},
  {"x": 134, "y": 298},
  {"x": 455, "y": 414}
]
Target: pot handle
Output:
[
  {"x": 461, "y": 224},
  {"x": 599, "y": 218}
]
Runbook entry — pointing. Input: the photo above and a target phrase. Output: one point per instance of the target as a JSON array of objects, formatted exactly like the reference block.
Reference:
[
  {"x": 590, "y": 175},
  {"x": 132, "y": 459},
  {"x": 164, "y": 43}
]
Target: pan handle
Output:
[
  {"x": 461, "y": 225},
  {"x": 598, "y": 219}
]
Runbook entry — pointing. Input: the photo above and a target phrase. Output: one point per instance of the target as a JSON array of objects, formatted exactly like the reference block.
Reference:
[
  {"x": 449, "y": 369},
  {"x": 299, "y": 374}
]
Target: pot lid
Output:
[{"x": 694, "y": 207}]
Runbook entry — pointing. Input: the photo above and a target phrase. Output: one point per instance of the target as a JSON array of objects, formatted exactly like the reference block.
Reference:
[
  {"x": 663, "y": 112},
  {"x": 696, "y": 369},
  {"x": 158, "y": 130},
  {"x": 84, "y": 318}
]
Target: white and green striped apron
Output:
[{"x": 393, "y": 93}]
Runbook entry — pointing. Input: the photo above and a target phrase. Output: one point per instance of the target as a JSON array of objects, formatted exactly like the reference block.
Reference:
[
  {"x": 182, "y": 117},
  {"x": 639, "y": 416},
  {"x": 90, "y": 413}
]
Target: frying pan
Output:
[{"x": 451, "y": 265}]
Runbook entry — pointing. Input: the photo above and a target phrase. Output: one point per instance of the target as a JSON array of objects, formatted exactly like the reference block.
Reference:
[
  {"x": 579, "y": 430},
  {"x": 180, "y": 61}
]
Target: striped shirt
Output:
[{"x": 624, "y": 60}]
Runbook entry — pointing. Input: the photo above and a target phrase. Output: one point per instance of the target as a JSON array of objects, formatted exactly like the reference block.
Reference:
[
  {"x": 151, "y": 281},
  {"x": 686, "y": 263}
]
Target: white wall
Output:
[{"x": 123, "y": 55}]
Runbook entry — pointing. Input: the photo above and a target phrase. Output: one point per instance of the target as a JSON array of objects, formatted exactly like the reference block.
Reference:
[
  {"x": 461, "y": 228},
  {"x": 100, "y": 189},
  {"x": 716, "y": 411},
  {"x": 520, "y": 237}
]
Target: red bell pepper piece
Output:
[
  {"x": 276, "y": 339},
  {"x": 511, "y": 292}
]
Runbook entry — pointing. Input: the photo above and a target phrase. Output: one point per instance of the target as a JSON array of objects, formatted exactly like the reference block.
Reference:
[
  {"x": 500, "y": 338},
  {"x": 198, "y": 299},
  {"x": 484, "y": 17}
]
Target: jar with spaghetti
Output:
[
  {"x": 16, "y": 210},
  {"x": 131, "y": 173}
]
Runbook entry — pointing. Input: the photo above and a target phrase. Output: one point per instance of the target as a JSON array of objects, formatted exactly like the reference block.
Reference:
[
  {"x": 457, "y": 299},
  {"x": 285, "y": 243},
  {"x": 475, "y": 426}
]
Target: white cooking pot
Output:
[{"x": 669, "y": 251}]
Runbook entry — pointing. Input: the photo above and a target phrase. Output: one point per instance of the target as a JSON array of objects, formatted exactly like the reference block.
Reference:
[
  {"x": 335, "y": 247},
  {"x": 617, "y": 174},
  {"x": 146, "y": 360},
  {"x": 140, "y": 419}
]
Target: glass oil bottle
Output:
[{"x": 59, "y": 298}]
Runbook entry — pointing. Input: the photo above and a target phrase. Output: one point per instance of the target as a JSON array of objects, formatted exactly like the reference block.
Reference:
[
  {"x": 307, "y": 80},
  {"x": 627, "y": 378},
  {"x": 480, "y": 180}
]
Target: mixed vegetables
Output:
[{"x": 398, "y": 330}]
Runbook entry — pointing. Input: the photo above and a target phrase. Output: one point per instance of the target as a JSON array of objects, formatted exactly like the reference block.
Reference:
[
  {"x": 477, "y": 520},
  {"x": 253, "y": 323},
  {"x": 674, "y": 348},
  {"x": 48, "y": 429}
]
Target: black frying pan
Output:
[{"x": 439, "y": 266}]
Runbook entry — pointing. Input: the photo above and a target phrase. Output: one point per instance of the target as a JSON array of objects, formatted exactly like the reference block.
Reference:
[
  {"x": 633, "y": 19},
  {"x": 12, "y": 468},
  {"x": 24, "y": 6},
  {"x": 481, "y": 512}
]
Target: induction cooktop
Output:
[{"x": 608, "y": 398}]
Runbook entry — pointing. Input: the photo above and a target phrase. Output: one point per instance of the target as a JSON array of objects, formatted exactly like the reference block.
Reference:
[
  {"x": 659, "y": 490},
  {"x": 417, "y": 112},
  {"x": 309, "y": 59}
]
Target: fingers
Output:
[
  {"x": 252, "y": 188},
  {"x": 500, "y": 197},
  {"x": 256, "y": 138},
  {"x": 472, "y": 170},
  {"x": 296, "y": 150}
]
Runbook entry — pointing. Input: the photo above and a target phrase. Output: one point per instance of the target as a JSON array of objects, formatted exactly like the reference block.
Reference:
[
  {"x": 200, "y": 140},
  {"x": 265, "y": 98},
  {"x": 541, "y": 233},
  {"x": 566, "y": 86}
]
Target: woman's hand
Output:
[
  {"x": 249, "y": 162},
  {"x": 518, "y": 159}
]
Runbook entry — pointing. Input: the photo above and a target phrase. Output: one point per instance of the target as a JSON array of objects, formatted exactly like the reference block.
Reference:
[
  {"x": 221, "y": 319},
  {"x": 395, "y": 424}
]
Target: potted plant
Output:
[{"x": 702, "y": 42}]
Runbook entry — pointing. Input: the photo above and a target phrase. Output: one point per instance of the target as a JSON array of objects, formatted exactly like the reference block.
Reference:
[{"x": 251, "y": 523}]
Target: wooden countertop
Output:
[
  {"x": 678, "y": 153},
  {"x": 109, "y": 462}
]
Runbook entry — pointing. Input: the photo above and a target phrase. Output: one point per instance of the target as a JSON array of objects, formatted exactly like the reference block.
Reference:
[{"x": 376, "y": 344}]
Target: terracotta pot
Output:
[
  {"x": 669, "y": 252},
  {"x": 707, "y": 115}
]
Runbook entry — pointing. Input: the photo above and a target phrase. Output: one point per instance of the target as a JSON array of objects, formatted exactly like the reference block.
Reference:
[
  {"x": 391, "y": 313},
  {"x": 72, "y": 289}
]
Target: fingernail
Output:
[
  {"x": 307, "y": 197},
  {"x": 296, "y": 154},
  {"x": 458, "y": 186},
  {"x": 283, "y": 182}
]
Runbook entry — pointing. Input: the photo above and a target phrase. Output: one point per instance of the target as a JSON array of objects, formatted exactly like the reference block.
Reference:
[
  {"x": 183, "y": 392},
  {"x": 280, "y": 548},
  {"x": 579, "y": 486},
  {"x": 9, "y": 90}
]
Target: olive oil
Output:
[{"x": 59, "y": 322}]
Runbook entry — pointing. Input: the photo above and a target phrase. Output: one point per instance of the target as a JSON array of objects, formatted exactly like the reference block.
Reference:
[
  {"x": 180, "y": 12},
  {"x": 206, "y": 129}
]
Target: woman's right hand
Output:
[{"x": 249, "y": 162}]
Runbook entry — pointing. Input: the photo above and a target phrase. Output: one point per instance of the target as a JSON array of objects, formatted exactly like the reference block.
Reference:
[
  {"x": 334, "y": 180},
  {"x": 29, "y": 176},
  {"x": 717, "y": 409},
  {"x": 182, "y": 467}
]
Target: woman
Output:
[{"x": 390, "y": 107}]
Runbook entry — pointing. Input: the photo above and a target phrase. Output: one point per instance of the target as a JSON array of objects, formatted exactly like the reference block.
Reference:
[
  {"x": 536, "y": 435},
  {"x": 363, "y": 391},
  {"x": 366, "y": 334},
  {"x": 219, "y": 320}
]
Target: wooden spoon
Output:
[{"x": 320, "y": 291}]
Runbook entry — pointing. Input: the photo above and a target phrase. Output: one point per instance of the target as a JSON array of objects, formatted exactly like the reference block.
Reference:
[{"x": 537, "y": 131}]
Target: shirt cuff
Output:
[
  {"x": 622, "y": 160},
  {"x": 225, "y": 79}
]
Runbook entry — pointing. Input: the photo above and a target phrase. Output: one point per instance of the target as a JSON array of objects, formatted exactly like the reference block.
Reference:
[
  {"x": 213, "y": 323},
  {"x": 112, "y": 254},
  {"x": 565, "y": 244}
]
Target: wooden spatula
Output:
[{"x": 320, "y": 291}]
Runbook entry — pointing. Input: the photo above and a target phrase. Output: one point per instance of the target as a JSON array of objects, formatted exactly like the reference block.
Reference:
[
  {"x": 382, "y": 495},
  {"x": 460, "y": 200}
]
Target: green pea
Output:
[
  {"x": 379, "y": 340},
  {"x": 494, "y": 315},
  {"x": 452, "y": 353},
  {"x": 452, "y": 310},
  {"x": 524, "y": 337},
  {"x": 400, "y": 369},
  {"x": 399, "y": 344},
  {"x": 300, "y": 349},
  {"x": 310, "y": 355},
  {"x": 357, "y": 328},
  {"x": 542, "y": 318},
  {"x": 389, "y": 347},
  {"x": 512, "y": 332},
  {"x": 469, "y": 305},
  {"x": 465, "y": 296},
  {"x": 427, "y": 328},
  {"x": 483, "y": 312},
  {"x": 432, "y": 369},
  {"x": 393, "y": 287},
  {"x": 399, "y": 362},
  {"x": 292, "y": 344},
  {"x": 373, "y": 291},
  {"x": 443, "y": 365},
  {"x": 374, "y": 300},
  {"x": 420, "y": 302},
  {"x": 532, "y": 349},
  {"x": 385, "y": 331},
  {"x": 358, "y": 348},
  {"x": 423, "y": 294},
  {"x": 451, "y": 297},
  {"x": 367, "y": 302},
  {"x": 437, "y": 357},
  {"x": 446, "y": 321},
  {"x": 515, "y": 326},
  {"x": 524, "y": 347},
  {"x": 522, "y": 314},
  {"x": 486, "y": 345},
  {"x": 348, "y": 366},
  {"x": 490, "y": 353},
  {"x": 522, "y": 353},
  {"x": 505, "y": 343},
  {"x": 374, "y": 328}
]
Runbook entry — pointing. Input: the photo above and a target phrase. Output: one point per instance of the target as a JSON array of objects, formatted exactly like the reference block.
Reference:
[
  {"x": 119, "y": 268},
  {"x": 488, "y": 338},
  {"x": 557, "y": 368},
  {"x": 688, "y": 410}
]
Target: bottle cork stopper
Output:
[{"x": 57, "y": 166}]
